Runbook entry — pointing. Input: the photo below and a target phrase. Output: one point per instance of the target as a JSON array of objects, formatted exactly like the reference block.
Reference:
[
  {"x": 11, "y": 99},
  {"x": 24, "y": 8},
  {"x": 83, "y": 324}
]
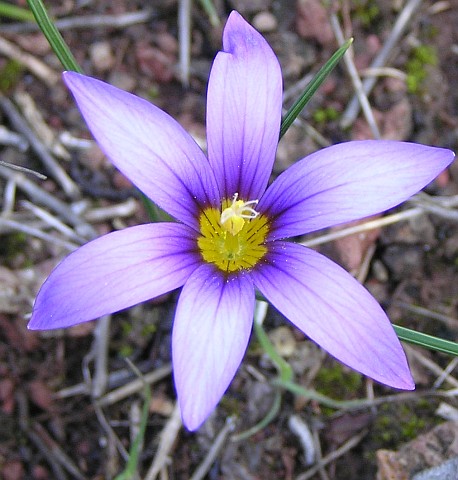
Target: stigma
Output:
[{"x": 233, "y": 218}]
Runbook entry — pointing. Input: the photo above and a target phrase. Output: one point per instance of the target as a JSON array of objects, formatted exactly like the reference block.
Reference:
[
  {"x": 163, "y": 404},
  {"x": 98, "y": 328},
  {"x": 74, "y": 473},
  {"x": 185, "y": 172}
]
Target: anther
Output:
[{"x": 233, "y": 218}]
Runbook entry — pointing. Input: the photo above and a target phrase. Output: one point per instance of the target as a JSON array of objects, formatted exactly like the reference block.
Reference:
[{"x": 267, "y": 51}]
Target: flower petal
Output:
[
  {"x": 210, "y": 335},
  {"x": 114, "y": 272},
  {"x": 347, "y": 182},
  {"x": 244, "y": 103},
  {"x": 335, "y": 311},
  {"x": 148, "y": 146}
]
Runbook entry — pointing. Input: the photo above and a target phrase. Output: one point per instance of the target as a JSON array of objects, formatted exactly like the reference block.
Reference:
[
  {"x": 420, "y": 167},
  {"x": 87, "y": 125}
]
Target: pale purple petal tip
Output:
[
  {"x": 244, "y": 104},
  {"x": 347, "y": 182},
  {"x": 210, "y": 335},
  {"x": 335, "y": 311},
  {"x": 114, "y": 272}
]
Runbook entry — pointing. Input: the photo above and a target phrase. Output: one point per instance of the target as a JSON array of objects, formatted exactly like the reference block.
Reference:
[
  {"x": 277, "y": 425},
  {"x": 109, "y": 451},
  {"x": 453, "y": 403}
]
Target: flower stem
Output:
[
  {"x": 53, "y": 36},
  {"x": 284, "y": 368}
]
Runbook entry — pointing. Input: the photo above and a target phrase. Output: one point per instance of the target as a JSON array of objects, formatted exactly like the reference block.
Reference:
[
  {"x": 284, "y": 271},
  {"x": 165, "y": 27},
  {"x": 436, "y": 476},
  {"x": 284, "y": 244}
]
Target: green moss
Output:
[
  {"x": 231, "y": 405},
  {"x": 398, "y": 424},
  {"x": 366, "y": 11},
  {"x": 126, "y": 351},
  {"x": 336, "y": 383},
  {"x": 420, "y": 57},
  {"x": 12, "y": 244},
  {"x": 148, "y": 329},
  {"x": 323, "y": 115},
  {"x": 126, "y": 328},
  {"x": 153, "y": 92},
  {"x": 10, "y": 75}
]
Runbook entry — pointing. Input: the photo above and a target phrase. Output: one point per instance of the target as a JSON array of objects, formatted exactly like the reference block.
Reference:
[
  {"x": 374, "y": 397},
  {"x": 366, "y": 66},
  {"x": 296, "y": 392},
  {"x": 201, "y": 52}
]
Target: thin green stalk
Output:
[
  {"x": 426, "y": 341},
  {"x": 271, "y": 414},
  {"x": 284, "y": 368},
  {"x": 312, "y": 87},
  {"x": 210, "y": 10},
  {"x": 15, "y": 13},
  {"x": 134, "y": 452},
  {"x": 53, "y": 36},
  {"x": 410, "y": 336},
  {"x": 314, "y": 395}
]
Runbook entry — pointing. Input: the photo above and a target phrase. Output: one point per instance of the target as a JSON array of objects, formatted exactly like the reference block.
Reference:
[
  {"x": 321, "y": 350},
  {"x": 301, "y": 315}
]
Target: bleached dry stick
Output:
[
  {"x": 86, "y": 22},
  {"x": 40, "y": 196},
  {"x": 167, "y": 439},
  {"x": 214, "y": 451},
  {"x": 37, "y": 67},
  {"x": 53, "y": 167},
  {"x": 354, "y": 76},
  {"x": 352, "y": 110}
]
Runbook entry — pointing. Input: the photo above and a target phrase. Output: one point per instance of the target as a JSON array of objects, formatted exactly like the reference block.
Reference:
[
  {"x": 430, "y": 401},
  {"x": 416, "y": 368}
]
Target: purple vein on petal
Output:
[
  {"x": 210, "y": 335},
  {"x": 243, "y": 111},
  {"x": 334, "y": 310},
  {"x": 347, "y": 182},
  {"x": 114, "y": 272},
  {"x": 148, "y": 146}
]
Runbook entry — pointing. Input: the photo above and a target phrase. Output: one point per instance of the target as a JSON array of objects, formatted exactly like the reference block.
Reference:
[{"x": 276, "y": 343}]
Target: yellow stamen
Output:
[
  {"x": 233, "y": 218},
  {"x": 234, "y": 238}
]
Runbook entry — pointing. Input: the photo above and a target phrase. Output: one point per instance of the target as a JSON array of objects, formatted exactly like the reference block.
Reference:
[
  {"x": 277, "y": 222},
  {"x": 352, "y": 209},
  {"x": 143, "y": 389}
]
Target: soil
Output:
[{"x": 57, "y": 420}]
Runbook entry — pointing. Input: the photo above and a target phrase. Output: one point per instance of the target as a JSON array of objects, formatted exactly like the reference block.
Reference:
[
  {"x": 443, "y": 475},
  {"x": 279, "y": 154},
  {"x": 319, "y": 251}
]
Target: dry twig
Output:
[
  {"x": 380, "y": 60},
  {"x": 37, "y": 67},
  {"x": 167, "y": 440},
  {"x": 35, "y": 119},
  {"x": 39, "y": 195},
  {"x": 12, "y": 139},
  {"x": 348, "y": 445},
  {"x": 86, "y": 21},
  {"x": 53, "y": 167},
  {"x": 354, "y": 76},
  {"x": 135, "y": 385},
  {"x": 35, "y": 232},
  {"x": 430, "y": 365},
  {"x": 184, "y": 34},
  {"x": 53, "y": 221},
  {"x": 214, "y": 451}
]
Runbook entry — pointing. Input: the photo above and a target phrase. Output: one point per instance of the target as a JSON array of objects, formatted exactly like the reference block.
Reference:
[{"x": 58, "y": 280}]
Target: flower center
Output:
[{"x": 233, "y": 239}]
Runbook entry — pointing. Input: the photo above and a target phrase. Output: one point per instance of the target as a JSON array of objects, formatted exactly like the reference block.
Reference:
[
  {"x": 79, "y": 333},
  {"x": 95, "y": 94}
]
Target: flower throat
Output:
[{"x": 234, "y": 238}]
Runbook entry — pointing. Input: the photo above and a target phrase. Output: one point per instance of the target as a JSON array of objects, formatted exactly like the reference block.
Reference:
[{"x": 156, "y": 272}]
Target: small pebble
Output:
[
  {"x": 265, "y": 22},
  {"x": 102, "y": 56}
]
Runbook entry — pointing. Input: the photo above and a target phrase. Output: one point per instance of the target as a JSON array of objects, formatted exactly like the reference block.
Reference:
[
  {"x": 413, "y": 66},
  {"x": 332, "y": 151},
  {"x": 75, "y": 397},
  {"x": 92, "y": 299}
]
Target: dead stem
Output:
[
  {"x": 364, "y": 227},
  {"x": 217, "y": 446},
  {"x": 35, "y": 120},
  {"x": 39, "y": 195},
  {"x": 135, "y": 385},
  {"x": 99, "y": 353},
  {"x": 102, "y": 214},
  {"x": 354, "y": 76},
  {"x": 352, "y": 110},
  {"x": 35, "y": 232},
  {"x": 348, "y": 445},
  {"x": 37, "y": 67},
  {"x": 52, "y": 166},
  {"x": 167, "y": 437},
  {"x": 184, "y": 39},
  {"x": 451, "y": 322},
  {"x": 86, "y": 22},
  {"x": 52, "y": 221},
  {"x": 13, "y": 140}
]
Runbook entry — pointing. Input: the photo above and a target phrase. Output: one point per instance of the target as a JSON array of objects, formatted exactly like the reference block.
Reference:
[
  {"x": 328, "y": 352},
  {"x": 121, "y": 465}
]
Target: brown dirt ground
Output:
[{"x": 50, "y": 432}]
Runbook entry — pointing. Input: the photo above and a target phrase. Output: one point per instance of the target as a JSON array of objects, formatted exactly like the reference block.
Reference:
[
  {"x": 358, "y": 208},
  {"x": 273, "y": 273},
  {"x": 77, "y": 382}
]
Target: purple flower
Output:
[{"x": 231, "y": 227}]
